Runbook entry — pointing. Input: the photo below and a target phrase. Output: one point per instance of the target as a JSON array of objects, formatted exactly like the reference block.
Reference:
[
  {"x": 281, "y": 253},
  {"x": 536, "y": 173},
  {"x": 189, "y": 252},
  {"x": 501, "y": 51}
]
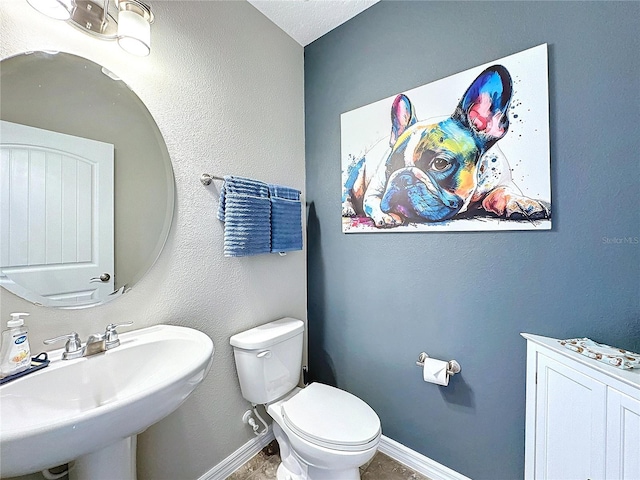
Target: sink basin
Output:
[{"x": 75, "y": 409}]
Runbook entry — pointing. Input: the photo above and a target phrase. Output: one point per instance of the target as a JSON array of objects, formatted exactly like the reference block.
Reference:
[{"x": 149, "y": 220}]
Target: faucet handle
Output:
[
  {"x": 73, "y": 347},
  {"x": 111, "y": 334}
]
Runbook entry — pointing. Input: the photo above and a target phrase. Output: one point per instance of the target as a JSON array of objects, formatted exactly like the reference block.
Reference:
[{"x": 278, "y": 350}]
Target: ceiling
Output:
[{"x": 307, "y": 20}]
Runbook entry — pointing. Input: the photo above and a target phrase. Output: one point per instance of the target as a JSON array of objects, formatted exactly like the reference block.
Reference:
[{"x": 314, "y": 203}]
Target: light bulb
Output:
[{"x": 134, "y": 33}]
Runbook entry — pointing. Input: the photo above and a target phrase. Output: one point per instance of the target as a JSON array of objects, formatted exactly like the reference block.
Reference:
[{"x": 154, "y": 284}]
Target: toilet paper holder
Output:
[{"x": 454, "y": 367}]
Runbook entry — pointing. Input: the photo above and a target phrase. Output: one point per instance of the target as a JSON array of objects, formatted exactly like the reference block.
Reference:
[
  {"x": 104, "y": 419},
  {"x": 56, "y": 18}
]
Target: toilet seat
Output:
[{"x": 331, "y": 418}]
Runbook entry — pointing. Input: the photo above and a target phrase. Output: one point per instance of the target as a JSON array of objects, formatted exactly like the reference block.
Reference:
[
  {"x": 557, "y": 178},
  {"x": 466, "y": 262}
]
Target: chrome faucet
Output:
[
  {"x": 72, "y": 349},
  {"x": 111, "y": 338},
  {"x": 96, "y": 343}
]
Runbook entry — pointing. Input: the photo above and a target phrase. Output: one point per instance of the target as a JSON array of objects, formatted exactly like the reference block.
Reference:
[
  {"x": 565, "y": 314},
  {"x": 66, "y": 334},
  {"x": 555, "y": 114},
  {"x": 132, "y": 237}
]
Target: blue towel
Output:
[
  {"x": 286, "y": 219},
  {"x": 240, "y": 186},
  {"x": 281, "y": 191},
  {"x": 245, "y": 209}
]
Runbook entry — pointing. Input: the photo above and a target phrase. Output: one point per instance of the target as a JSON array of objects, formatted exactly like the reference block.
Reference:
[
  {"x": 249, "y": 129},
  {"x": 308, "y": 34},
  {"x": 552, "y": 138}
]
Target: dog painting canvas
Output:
[{"x": 466, "y": 153}]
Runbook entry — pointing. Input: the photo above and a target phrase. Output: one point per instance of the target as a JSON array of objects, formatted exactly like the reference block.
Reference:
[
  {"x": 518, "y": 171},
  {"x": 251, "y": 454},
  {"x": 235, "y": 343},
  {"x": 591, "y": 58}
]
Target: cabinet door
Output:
[
  {"x": 623, "y": 436},
  {"x": 570, "y": 423}
]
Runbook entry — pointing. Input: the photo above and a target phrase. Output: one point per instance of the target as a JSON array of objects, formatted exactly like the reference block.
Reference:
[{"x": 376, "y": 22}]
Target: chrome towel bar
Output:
[{"x": 207, "y": 178}]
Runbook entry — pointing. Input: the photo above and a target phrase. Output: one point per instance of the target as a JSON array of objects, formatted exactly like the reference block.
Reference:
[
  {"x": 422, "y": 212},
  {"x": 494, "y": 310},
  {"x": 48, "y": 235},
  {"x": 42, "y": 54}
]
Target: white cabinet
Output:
[
  {"x": 623, "y": 436},
  {"x": 583, "y": 416}
]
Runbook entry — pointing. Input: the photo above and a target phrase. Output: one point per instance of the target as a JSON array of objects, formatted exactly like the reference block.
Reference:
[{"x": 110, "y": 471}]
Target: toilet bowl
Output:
[
  {"x": 328, "y": 432},
  {"x": 324, "y": 433}
]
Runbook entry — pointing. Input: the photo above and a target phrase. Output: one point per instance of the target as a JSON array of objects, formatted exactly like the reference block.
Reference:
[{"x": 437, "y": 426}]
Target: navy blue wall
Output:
[{"x": 377, "y": 300}]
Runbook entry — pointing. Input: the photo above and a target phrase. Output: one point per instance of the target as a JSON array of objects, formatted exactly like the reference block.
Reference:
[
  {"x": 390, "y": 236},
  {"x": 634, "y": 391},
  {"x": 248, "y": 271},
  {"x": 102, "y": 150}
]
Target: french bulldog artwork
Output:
[{"x": 482, "y": 166}]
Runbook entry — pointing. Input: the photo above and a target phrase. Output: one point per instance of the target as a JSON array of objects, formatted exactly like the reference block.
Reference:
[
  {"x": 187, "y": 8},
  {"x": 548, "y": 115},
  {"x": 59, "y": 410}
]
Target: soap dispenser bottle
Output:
[{"x": 15, "y": 355}]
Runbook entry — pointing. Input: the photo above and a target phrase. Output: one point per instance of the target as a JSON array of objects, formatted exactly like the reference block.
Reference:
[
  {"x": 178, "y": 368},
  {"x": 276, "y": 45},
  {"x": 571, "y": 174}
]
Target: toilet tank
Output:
[{"x": 269, "y": 359}]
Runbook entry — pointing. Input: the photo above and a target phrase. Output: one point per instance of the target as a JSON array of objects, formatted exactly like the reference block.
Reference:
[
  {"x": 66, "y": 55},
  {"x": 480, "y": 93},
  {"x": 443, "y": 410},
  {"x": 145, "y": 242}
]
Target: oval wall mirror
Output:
[{"x": 86, "y": 184}]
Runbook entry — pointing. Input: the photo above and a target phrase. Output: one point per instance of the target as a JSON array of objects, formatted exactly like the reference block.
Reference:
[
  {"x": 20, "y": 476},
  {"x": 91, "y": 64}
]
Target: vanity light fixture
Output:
[{"x": 127, "y": 21}]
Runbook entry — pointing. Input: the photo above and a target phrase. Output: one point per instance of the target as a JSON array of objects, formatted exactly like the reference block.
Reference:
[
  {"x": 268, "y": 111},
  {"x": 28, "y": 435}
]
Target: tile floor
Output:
[{"x": 264, "y": 465}]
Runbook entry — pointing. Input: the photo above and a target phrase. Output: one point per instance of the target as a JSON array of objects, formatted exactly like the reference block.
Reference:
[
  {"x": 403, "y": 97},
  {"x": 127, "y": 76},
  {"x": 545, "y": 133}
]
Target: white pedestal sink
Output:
[{"x": 91, "y": 409}]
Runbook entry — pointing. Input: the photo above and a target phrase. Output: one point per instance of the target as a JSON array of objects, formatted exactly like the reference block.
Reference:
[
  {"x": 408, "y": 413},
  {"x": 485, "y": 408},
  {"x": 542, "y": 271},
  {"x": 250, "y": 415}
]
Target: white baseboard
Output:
[
  {"x": 238, "y": 458},
  {"x": 418, "y": 462},
  {"x": 404, "y": 455}
]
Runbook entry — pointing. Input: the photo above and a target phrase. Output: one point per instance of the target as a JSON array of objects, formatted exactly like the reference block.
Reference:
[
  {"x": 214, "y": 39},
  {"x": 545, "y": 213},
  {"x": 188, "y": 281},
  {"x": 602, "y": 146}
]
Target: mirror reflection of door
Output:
[{"x": 56, "y": 215}]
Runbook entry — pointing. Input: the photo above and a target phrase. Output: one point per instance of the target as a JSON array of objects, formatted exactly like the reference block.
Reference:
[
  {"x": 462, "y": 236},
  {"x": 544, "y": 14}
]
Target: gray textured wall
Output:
[
  {"x": 225, "y": 86},
  {"x": 377, "y": 300}
]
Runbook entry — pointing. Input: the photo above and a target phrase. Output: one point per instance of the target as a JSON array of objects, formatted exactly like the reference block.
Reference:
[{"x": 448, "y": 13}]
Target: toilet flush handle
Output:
[{"x": 264, "y": 354}]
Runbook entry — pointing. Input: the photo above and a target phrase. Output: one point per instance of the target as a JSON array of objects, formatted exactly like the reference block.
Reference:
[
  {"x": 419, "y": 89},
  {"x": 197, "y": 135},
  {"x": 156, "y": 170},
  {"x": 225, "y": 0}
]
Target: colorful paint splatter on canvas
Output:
[{"x": 466, "y": 153}]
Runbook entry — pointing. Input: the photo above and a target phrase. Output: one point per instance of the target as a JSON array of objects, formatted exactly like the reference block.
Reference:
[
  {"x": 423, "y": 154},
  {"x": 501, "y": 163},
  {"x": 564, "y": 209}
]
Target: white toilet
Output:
[{"x": 324, "y": 433}]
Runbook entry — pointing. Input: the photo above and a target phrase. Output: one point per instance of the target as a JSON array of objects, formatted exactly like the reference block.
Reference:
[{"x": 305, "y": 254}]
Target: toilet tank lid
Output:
[{"x": 268, "y": 334}]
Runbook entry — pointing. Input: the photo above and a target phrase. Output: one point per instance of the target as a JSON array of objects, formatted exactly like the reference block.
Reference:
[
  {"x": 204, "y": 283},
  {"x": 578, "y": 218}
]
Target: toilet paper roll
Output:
[{"x": 435, "y": 371}]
